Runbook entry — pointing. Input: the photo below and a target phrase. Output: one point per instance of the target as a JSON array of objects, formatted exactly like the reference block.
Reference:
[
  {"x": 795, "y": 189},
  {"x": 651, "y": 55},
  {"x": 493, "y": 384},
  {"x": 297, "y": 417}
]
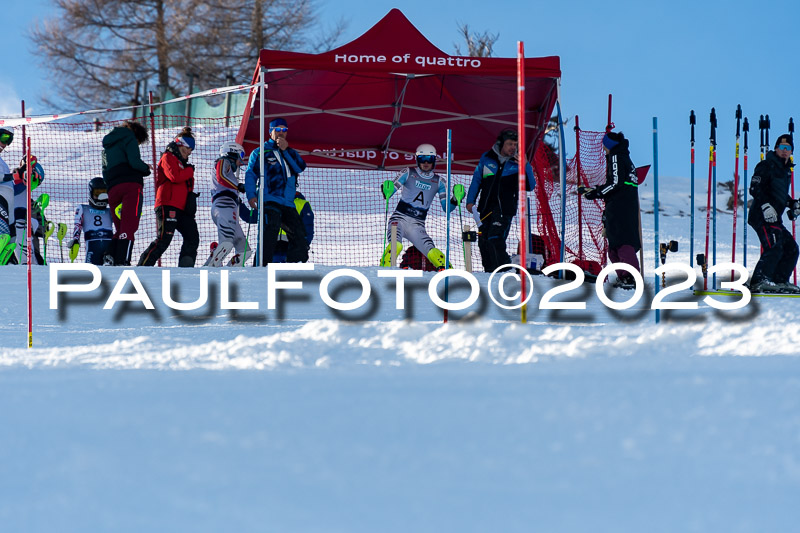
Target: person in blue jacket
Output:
[
  {"x": 282, "y": 167},
  {"x": 495, "y": 189}
]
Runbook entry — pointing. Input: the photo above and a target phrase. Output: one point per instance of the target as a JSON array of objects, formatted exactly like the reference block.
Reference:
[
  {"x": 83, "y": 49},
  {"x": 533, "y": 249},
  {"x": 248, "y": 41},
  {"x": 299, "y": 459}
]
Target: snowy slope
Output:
[{"x": 302, "y": 419}]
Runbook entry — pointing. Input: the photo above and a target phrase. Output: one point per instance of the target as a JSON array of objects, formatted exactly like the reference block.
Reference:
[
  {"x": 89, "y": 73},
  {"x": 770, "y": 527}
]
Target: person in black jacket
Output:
[
  {"x": 495, "y": 189},
  {"x": 769, "y": 188},
  {"x": 124, "y": 172},
  {"x": 621, "y": 214}
]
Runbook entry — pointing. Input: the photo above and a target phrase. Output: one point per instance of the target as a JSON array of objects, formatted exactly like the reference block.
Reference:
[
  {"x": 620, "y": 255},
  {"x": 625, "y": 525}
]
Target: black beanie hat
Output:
[
  {"x": 507, "y": 134},
  {"x": 784, "y": 139}
]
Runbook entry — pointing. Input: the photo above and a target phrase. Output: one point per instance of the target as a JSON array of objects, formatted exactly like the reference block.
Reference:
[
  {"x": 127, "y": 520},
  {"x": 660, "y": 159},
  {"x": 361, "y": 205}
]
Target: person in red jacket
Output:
[{"x": 176, "y": 203}]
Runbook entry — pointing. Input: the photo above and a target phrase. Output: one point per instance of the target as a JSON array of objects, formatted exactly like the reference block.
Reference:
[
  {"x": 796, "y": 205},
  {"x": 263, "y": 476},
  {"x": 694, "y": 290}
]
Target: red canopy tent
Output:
[{"x": 369, "y": 103}]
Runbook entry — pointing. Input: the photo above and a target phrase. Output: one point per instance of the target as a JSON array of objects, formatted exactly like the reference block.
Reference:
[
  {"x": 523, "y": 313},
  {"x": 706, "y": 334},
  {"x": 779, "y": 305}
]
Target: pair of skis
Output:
[
  {"x": 218, "y": 254},
  {"x": 723, "y": 292}
]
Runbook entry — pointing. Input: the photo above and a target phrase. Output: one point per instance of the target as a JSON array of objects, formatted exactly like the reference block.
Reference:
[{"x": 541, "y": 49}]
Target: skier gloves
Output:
[{"x": 770, "y": 215}]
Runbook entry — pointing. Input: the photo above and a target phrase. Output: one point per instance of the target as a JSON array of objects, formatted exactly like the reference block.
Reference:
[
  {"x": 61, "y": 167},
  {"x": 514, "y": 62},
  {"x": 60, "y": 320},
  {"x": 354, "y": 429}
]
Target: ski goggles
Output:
[
  {"x": 785, "y": 147},
  {"x": 426, "y": 159},
  {"x": 280, "y": 129},
  {"x": 6, "y": 137}
]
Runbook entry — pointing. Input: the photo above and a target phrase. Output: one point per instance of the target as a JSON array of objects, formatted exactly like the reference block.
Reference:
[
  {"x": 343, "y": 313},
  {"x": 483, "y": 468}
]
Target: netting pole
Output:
[
  {"x": 449, "y": 209},
  {"x": 562, "y": 173},
  {"x": 29, "y": 240},
  {"x": 655, "y": 209},
  {"x": 153, "y": 148},
  {"x": 261, "y": 184},
  {"x": 578, "y": 184}
]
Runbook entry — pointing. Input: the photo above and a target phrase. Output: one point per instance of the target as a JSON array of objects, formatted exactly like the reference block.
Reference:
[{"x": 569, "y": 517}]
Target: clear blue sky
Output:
[{"x": 658, "y": 58}]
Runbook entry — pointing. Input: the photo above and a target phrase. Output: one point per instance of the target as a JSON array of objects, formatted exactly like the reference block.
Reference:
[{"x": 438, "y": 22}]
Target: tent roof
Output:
[{"x": 369, "y": 103}]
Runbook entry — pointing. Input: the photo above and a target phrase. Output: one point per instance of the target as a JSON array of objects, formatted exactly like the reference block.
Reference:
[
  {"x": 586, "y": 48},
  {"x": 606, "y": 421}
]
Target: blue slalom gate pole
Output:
[
  {"x": 692, "y": 123},
  {"x": 655, "y": 208}
]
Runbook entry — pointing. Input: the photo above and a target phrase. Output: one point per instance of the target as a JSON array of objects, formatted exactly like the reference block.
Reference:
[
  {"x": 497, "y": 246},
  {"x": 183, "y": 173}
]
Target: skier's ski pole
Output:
[
  {"x": 247, "y": 240},
  {"x": 761, "y": 131},
  {"x": 387, "y": 189},
  {"x": 736, "y": 186},
  {"x": 39, "y": 206},
  {"x": 746, "y": 130},
  {"x": 458, "y": 193},
  {"x": 692, "y": 123},
  {"x": 62, "y": 232},
  {"x": 49, "y": 228}
]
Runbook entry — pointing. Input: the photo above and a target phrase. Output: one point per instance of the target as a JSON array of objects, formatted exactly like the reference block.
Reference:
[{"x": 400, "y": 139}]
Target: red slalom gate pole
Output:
[
  {"x": 29, "y": 241},
  {"x": 609, "y": 124},
  {"x": 523, "y": 177}
]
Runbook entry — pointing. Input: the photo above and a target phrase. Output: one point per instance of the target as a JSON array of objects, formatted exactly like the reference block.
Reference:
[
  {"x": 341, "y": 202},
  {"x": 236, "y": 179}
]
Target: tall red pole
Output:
[
  {"x": 609, "y": 124},
  {"x": 523, "y": 177},
  {"x": 29, "y": 241}
]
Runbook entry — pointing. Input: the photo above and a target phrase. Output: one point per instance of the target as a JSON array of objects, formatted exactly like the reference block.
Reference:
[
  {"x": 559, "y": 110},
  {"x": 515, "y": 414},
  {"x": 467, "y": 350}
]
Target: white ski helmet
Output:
[
  {"x": 426, "y": 153},
  {"x": 233, "y": 151}
]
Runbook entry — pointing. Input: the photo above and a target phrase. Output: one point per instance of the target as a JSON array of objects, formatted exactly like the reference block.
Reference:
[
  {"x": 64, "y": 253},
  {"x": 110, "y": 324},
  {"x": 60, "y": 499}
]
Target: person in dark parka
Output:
[
  {"x": 769, "y": 188},
  {"x": 621, "y": 215},
  {"x": 124, "y": 172},
  {"x": 494, "y": 191}
]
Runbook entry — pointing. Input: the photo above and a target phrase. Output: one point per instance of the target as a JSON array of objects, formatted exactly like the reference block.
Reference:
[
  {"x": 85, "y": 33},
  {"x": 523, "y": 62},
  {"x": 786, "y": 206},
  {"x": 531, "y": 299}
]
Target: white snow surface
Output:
[{"x": 303, "y": 419}]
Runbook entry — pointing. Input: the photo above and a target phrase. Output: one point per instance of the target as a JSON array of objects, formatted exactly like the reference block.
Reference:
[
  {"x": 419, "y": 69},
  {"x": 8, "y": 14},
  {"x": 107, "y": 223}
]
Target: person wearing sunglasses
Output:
[
  {"x": 6, "y": 187},
  {"x": 124, "y": 173},
  {"x": 419, "y": 187},
  {"x": 769, "y": 188},
  {"x": 282, "y": 168},
  {"x": 225, "y": 202},
  {"x": 176, "y": 203},
  {"x": 495, "y": 190}
]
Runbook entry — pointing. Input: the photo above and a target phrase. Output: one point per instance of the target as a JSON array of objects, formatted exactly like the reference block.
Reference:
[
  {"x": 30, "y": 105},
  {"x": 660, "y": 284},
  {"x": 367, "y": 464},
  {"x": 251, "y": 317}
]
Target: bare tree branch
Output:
[
  {"x": 98, "y": 49},
  {"x": 478, "y": 44}
]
